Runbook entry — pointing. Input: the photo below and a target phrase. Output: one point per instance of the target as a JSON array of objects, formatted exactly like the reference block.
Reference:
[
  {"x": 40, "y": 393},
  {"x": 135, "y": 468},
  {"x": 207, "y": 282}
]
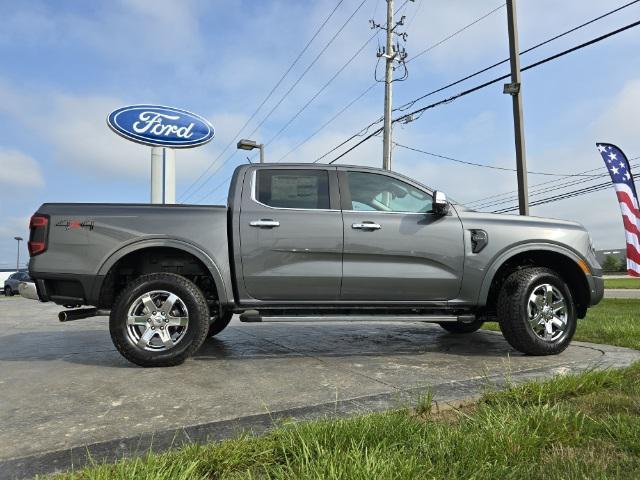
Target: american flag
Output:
[{"x": 620, "y": 172}]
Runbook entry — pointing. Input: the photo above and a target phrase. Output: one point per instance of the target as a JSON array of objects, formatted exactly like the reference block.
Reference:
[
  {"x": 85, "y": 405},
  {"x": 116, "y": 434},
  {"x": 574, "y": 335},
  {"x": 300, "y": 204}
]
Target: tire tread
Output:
[
  {"x": 509, "y": 304},
  {"x": 129, "y": 352}
]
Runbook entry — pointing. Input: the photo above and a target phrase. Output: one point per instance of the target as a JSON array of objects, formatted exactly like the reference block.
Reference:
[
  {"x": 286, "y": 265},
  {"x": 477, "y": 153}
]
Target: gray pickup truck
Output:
[{"x": 311, "y": 242}]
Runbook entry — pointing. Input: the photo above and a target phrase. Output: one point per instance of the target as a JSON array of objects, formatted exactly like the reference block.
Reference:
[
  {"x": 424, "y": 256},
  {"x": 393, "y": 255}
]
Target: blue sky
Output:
[{"x": 67, "y": 64}]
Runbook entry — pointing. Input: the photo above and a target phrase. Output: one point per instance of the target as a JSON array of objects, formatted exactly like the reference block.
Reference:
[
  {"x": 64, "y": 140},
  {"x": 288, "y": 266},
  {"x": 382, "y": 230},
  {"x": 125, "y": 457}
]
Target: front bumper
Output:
[{"x": 596, "y": 286}]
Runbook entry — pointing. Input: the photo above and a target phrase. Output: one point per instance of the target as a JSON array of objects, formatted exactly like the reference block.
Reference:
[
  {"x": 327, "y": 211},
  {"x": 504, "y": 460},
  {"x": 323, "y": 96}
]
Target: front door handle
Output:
[
  {"x": 366, "y": 226},
  {"x": 264, "y": 223}
]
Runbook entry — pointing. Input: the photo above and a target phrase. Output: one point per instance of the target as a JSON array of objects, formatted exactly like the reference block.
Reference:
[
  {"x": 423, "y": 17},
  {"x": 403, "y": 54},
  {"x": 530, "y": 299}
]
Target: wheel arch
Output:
[
  {"x": 147, "y": 246},
  {"x": 559, "y": 259}
]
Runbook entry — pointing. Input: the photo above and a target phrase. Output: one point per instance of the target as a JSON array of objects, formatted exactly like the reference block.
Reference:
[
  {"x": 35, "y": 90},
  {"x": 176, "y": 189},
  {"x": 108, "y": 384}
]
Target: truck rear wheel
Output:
[
  {"x": 536, "y": 312},
  {"x": 220, "y": 323},
  {"x": 159, "y": 320}
]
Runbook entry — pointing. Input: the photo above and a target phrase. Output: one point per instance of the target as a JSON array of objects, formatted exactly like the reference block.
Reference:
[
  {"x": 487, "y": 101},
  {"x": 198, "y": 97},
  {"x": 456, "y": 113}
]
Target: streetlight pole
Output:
[
  {"x": 19, "y": 239},
  {"x": 245, "y": 144},
  {"x": 514, "y": 90}
]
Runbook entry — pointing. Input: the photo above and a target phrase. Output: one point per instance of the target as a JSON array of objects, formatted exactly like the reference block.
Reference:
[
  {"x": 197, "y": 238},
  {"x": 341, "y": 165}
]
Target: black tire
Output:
[
  {"x": 513, "y": 314},
  {"x": 220, "y": 323},
  {"x": 192, "y": 338},
  {"x": 8, "y": 292},
  {"x": 461, "y": 328}
]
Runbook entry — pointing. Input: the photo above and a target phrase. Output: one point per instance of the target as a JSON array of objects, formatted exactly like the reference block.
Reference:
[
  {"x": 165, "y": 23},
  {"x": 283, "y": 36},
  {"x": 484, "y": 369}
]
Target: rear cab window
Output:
[{"x": 291, "y": 188}]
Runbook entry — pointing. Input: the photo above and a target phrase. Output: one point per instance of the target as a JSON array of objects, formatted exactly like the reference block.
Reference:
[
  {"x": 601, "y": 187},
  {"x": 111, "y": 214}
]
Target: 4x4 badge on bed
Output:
[{"x": 75, "y": 224}]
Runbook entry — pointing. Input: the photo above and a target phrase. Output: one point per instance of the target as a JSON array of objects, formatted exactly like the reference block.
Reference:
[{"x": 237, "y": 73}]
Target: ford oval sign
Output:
[{"x": 160, "y": 126}]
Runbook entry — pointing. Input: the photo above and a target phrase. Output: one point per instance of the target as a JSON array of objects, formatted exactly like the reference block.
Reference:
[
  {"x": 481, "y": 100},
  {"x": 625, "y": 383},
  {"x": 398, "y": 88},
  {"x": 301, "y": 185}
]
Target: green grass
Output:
[
  {"x": 585, "y": 426},
  {"x": 624, "y": 283},
  {"x": 575, "y": 426}
]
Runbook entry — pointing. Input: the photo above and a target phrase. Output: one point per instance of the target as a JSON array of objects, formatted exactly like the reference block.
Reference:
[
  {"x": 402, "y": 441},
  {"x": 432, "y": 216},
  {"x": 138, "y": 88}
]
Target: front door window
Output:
[{"x": 374, "y": 192}]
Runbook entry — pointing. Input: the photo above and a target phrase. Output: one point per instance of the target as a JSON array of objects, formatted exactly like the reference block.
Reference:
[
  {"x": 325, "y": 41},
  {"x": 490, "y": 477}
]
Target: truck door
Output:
[
  {"x": 291, "y": 234},
  {"x": 394, "y": 248}
]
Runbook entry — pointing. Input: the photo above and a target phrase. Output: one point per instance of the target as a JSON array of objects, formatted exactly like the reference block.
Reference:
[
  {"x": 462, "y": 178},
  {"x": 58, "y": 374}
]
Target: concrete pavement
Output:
[
  {"x": 65, "y": 392},
  {"x": 621, "y": 293}
]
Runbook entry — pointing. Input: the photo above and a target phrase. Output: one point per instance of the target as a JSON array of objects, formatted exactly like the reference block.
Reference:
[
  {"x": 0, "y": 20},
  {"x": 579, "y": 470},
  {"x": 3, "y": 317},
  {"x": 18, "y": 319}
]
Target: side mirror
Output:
[{"x": 440, "y": 203}]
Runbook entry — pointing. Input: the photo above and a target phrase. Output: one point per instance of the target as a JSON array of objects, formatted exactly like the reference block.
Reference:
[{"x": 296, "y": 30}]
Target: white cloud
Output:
[
  {"x": 83, "y": 144},
  {"x": 620, "y": 122},
  {"x": 19, "y": 170}
]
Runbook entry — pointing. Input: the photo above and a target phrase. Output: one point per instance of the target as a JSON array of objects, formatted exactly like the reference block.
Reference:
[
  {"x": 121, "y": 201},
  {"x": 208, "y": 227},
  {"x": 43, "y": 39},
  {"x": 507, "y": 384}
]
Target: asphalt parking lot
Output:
[{"x": 65, "y": 392}]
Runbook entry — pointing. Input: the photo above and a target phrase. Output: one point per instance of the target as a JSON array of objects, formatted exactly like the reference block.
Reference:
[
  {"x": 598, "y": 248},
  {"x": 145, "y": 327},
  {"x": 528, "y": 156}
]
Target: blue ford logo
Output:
[{"x": 160, "y": 126}]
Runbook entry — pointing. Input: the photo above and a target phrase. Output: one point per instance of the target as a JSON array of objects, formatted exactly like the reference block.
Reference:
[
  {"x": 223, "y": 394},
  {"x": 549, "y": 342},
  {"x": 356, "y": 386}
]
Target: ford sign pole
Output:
[
  {"x": 163, "y": 175},
  {"x": 164, "y": 129}
]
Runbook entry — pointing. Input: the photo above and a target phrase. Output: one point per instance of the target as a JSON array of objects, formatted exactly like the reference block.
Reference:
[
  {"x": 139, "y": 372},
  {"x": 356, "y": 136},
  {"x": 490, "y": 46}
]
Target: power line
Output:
[
  {"x": 324, "y": 49},
  {"x": 574, "y": 193},
  {"x": 415, "y": 15},
  {"x": 374, "y": 84},
  {"x": 298, "y": 80},
  {"x": 511, "y": 192},
  {"x": 328, "y": 122},
  {"x": 544, "y": 191},
  {"x": 322, "y": 89},
  {"x": 457, "y": 32},
  {"x": 483, "y": 165},
  {"x": 407, "y": 105},
  {"x": 409, "y": 117},
  {"x": 368, "y": 89},
  {"x": 528, "y": 67},
  {"x": 269, "y": 95},
  {"x": 530, "y": 49},
  {"x": 332, "y": 79},
  {"x": 479, "y": 72},
  {"x": 535, "y": 189}
]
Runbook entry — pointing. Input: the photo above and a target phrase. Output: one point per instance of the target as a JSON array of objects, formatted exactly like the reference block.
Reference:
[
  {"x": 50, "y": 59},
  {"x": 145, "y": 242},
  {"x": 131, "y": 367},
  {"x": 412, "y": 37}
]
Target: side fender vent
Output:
[{"x": 479, "y": 240}]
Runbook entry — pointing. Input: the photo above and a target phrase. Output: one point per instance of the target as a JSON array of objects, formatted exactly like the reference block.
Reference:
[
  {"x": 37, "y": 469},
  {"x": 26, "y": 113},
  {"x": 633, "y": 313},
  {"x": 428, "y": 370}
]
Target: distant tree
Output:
[
  {"x": 611, "y": 264},
  {"x": 623, "y": 265}
]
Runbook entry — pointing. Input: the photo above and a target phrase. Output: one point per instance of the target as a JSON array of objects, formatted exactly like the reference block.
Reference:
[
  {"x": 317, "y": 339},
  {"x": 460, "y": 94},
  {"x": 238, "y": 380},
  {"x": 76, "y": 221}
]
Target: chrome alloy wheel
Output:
[
  {"x": 547, "y": 311},
  {"x": 157, "y": 320}
]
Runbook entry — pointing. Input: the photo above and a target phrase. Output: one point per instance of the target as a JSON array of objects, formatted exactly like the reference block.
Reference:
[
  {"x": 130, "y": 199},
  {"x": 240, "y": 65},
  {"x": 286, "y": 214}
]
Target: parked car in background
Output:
[
  {"x": 3, "y": 276},
  {"x": 11, "y": 284}
]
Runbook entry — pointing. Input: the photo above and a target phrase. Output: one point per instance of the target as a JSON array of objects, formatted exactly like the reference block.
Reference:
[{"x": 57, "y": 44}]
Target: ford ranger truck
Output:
[{"x": 311, "y": 242}]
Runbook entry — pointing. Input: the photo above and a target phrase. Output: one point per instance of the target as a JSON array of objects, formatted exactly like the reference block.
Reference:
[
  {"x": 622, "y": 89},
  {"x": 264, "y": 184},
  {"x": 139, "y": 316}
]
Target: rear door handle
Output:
[
  {"x": 264, "y": 223},
  {"x": 366, "y": 226}
]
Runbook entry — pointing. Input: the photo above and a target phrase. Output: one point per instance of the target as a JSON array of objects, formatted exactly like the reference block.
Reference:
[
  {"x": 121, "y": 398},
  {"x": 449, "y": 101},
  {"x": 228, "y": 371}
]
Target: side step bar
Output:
[{"x": 252, "y": 316}]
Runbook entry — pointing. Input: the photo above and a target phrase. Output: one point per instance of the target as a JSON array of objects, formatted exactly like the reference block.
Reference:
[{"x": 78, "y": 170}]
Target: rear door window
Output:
[{"x": 302, "y": 189}]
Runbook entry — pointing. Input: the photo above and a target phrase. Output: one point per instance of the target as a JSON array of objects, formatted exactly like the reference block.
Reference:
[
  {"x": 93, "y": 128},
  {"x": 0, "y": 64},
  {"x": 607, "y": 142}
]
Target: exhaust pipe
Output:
[{"x": 80, "y": 313}]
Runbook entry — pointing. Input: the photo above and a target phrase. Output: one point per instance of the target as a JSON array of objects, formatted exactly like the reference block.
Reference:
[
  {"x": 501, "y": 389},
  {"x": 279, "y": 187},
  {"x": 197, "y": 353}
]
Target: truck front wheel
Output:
[
  {"x": 159, "y": 320},
  {"x": 536, "y": 312}
]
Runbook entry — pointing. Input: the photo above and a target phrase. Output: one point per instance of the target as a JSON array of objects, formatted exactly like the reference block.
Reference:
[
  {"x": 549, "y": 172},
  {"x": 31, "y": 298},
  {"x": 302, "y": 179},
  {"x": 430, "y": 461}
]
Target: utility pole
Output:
[
  {"x": 394, "y": 57},
  {"x": 514, "y": 90},
  {"x": 388, "y": 89}
]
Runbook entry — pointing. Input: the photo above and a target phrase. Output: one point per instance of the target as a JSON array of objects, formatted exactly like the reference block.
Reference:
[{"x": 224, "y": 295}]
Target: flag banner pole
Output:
[{"x": 620, "y": 171}]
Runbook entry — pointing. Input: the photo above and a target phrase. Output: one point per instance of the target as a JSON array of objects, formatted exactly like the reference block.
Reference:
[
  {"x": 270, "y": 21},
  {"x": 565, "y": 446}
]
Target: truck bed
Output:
[{"x": 86, "y": 239}]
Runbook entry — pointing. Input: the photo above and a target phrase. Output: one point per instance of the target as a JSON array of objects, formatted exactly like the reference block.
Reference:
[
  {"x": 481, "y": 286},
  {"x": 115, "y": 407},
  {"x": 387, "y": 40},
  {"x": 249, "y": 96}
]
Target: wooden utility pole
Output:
[
  {"x": 388, "y": 90},
  {"x": 514, "y": 89}
]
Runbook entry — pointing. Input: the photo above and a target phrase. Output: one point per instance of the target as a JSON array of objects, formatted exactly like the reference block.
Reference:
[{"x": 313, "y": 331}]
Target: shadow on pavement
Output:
[{"x": 93, "y": 347}]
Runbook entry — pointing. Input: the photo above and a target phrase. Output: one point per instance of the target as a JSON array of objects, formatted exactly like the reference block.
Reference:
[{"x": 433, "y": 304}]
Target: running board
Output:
[{"x": 253, "y": 316}]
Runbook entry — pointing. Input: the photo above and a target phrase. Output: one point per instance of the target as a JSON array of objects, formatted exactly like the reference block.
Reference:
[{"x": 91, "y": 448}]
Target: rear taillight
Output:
[{"x": 38, "y": 227}]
